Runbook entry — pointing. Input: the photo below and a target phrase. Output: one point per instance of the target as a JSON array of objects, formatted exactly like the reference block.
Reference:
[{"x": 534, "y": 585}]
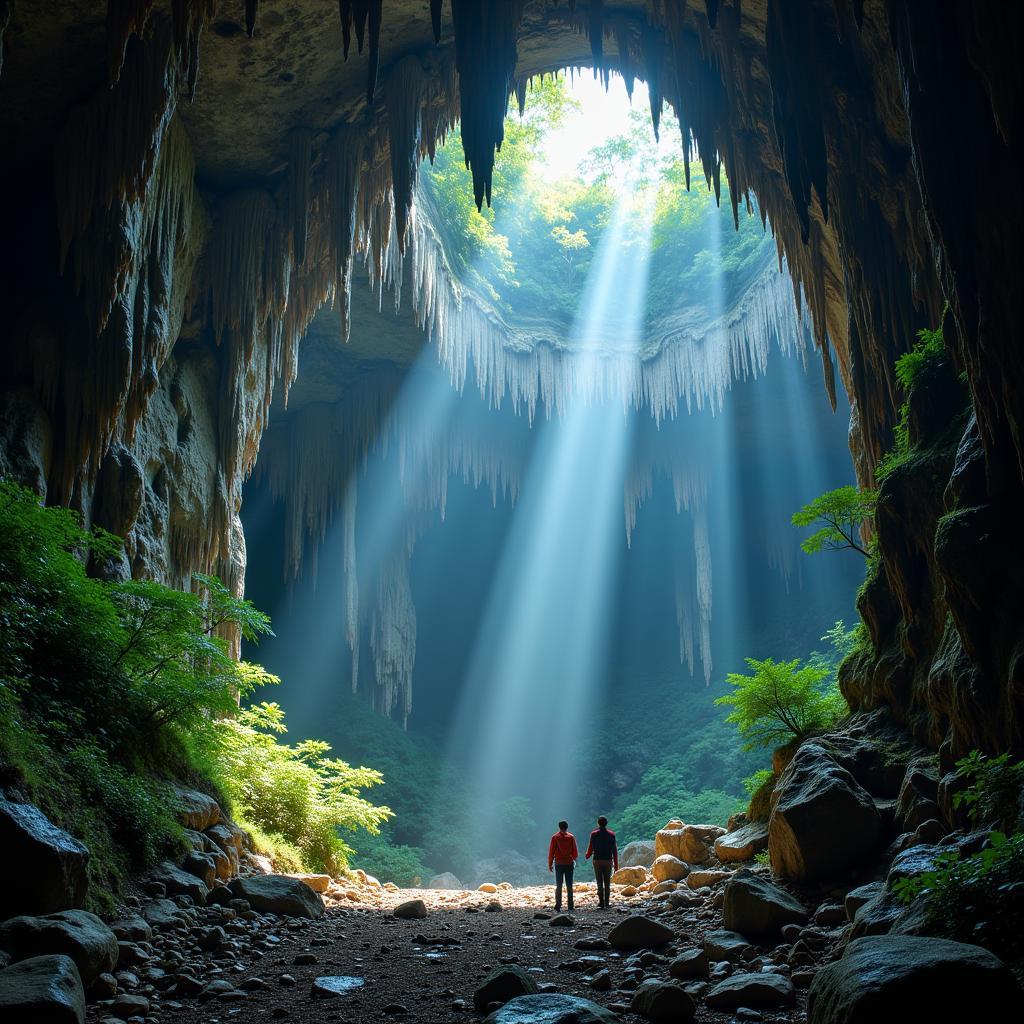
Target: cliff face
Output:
[{"x": 183, "y": 198}]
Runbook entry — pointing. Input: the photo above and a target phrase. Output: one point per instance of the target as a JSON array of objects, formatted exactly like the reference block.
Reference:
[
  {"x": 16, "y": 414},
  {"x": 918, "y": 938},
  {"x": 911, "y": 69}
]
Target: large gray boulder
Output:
[
  {"x": 551, "y": 1008},
  {"x": 639, "y": 932},
  {"x": 823, "y": 822},
  {"x": 445, "y": 880},
  {"x": 638, "y": 854},
  {"x": 927, "y": 979},
  {"x": 753, "y": 906},
  {"x": 760, "y": 991},
  {"x": 42, "y": 990},
  {"x": 74, "y": 933},
  {"x": 51, "y": 864},
  {"x": 278, "y": 894},
  {"x": 504, "y": 984}
]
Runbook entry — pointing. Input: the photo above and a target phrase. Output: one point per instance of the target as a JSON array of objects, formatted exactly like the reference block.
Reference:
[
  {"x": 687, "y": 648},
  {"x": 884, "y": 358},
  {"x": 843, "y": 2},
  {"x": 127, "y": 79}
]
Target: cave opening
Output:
[{"x": 571, "y": 504}]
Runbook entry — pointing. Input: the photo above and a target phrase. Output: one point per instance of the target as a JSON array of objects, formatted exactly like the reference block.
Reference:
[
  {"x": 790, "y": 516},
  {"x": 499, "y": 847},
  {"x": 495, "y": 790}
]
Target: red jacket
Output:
[
  {"x": 607, "y": 848},
  {"x": 562, "y": 849}
]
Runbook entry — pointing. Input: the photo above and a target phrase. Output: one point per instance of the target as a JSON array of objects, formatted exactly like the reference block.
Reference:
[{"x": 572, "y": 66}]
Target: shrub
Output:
[
  {"x": 781, "y": 702},
  {"x": 992, "y": 797},
  {"x": 839, "y": 516}
]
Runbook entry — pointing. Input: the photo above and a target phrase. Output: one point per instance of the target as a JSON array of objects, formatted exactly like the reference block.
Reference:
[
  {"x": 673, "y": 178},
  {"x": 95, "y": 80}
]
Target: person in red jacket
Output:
[
  {"x": 605, "y": 852},
  {"x": 562, "y": 856}
]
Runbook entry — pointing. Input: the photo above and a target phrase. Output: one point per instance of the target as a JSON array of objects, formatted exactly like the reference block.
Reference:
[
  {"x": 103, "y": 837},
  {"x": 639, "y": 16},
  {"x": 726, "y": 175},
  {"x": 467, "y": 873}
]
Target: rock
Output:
[
  {"x": 639, "y": 932},
  {"x": 638, "y": 854},
  {"x": 488, "y": 887},
  {"x": 445, "y": 880},
  {"x": 54, "y": 876},
  {"x": 411, "y": 909},
  {"x": 180, "y": 883},
  {"x": 929, "y": 832},
  {"x": 493, "y": 907},
  {"x": 669, "y": 868},
  {"x": 227, "y": 837},
  {"x": 278, "y": 894},
  {"x": 329, "y": 986},
  {"x": 318, "y": 883},
  {"x": 76, "y": 933},
  {"x": 664, "y": 887},
  {"x": 504, "y": 984},
  {"x": 161, "y": 914},
  {"x": 744, "y": 843},
  {"x": 701, "y": 877},
  {"x": 726, "y": 945},
  {"x": 691, "y": 963},
  {"x": 126, "y": 1006},
  {"x": 630, "y": 875},
  {"x": 918, "y": 797},
  {"x": 203, "y": 866},
  {"x": 132, "y": 928},
  {"x": 823, "y": 822},
  {"x": 755, "y": 990},
  {"x": 753, "y": 906},
  {"x": 912, "y": 863},
  {"x": 42, "y": 990},
  {"x": 856, "y": 898},
  {"x": 196, "y": 810},
  {"x": 601, "y": 981},
  {"x": 689, "y": 843},
  {"x": 662, "y": 1001},
  {"x": 830, "y": 915},
  {"x": 934, "y": 979},
  {"x": 562, "y": 921},
  {"x": 104, "y": 986},
  {"x": 683, "y": 898},
  {"x": 551, "y": 1008},
  {"x": 628, "y": 890},
  {"x": 877, "y": 916}
]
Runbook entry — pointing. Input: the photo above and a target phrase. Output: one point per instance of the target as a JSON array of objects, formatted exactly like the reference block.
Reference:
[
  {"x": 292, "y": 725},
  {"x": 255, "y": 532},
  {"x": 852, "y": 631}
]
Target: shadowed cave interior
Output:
[{"x": 424, "y": 422}]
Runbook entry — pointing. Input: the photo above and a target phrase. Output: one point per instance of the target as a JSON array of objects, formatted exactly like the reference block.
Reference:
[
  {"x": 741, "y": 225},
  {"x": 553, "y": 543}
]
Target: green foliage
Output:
[
  {"x": 752, "y": 783},
  {"x": 292, "y": 793},
  {"x": 763, "y": 858},
  {"x": 839, "y": 515},
  {"x": 391, "y": 862},
  {"x": 992, "y": 796},
  {"x": 781, "y": 702}
]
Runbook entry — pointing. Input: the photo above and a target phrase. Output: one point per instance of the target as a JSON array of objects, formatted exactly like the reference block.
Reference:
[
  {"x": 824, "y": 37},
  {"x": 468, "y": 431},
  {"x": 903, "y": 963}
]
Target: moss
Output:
[{"x": 761, "y": 802}]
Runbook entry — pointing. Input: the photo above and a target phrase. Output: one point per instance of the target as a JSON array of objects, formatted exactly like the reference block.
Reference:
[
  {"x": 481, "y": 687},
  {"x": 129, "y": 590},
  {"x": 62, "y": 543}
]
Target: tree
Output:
[
  {"x": 781, "y": 702},
  {"x": 839, "y": 515}
]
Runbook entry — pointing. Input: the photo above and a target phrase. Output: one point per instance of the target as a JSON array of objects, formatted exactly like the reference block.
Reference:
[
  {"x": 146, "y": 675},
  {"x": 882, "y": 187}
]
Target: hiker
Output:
[
  {"x": 605, "y": 852},
  {"x": 562, "y": 856}
]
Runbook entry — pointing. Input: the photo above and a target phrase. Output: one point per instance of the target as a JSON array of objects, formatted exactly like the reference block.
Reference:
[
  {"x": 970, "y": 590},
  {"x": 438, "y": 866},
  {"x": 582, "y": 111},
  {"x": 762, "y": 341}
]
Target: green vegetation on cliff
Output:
[{"x": 112, "y": 689}]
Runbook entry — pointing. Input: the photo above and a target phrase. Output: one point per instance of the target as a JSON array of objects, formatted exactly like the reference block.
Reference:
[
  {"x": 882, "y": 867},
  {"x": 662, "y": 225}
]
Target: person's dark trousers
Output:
[
  {"x": 563, "y": 873},
  {"x": 603, "y": 874}
]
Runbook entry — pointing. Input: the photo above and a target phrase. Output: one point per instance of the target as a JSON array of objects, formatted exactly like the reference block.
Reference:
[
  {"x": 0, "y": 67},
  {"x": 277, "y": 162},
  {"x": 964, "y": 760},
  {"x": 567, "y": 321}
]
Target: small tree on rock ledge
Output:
[{"x": 839, "y": 514}]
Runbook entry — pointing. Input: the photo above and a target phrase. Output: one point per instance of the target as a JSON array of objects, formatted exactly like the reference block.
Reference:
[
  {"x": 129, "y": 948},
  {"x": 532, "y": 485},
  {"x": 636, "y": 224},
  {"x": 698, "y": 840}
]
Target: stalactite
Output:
[
  {"x": 300, "y": 146},
  {"x": 702, "y": 556},
  {"x": 360, "y": 14},
  {"x": 344, "y": 160},
  {"x": 125, "y": 18},
  {"x": 251, "y": 12},
  {"x": 652, "y": 46},
  {"x": 485, "y": 57},
  {"x": 403, "y": 96},
  {"x": 393, "y": 636},
  {"x": 435, "y": 19},
  {"x": 188, "y": 18},
  {"x": 5, "y": 20},
  {"x": 351, "y": 579}
]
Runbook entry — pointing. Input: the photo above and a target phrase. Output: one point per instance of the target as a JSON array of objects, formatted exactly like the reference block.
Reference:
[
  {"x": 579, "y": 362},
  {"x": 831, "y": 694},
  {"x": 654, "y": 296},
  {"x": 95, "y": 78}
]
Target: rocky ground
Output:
[{"x": 214, "y": 963}]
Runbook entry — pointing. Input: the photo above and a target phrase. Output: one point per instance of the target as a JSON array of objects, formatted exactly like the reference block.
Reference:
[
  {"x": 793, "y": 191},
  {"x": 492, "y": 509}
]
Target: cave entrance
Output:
[{"x": 541, "y": 539}]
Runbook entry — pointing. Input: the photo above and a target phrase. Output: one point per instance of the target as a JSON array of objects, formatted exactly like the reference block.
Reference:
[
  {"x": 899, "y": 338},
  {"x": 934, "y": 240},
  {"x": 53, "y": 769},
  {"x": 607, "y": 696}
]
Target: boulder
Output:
[
  {"x": 631, "y": 875},
  {"x": 488, "y": 887},
  {"x": 504, "y": 984},
  {"x": 663, "y": 1001},
  {"x": 639, "y": 932},
  {"x": 411, "y": 910},
  {"x": 823, "y": 822},
  {"x": 726, "y": 945},
  {"x": 744, "y": 843},
  {"x": 196, "y": 810},
  {"x": 753, "y": 906},
  {"x": 132, "y": 928},
  {"x": 74, "y": 933},
  {"x": 42, "y": 990},
  {"x": 690, "y": 843},
  {"x": 161, "y": 914},
  {"x": 758, "y": 991},
  {"x": 691, "y": 963},
  {"x": 702, "y": 877},
  {"x": 667, "y": 868},
  {"x": 856, "y": 898},
  {"x": 227, "y": 837},
  {"x": 53, "y": 863},
  {"x": 918, "y": 799},
  {"x": 178, "y": 882},
  {"x": 278, "y": 894},
  {"x": 930, "y": 979},
  {"x": 445, "y": 880},
  {"x": 318, "y": 883},
  {"x": 878, "y": 915},
  {"x": 664, "y": 887},
  {"x": 551, "y": 1008},
  {"x": 203, "y": 867},
  {"x": 638, "y": 854}
]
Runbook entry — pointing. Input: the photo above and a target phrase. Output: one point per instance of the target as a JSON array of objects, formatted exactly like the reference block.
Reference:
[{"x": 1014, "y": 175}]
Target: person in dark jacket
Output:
[
  {"x": 562, "y": 856},
  {"x": 605, "y": 852}
]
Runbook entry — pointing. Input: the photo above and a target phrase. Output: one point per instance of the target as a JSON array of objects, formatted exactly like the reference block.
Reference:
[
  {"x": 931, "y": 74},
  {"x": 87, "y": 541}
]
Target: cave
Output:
[{"x": 525, "y": 362}]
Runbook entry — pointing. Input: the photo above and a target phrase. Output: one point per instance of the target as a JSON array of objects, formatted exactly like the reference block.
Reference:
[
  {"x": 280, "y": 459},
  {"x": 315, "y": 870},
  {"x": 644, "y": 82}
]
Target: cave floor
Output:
[{"x": 268, "y": 965}]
